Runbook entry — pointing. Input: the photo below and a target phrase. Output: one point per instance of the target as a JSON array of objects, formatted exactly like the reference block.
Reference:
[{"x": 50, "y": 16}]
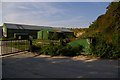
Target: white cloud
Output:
[
  {"x": 29, "y": 13},
  {"x": 40, "y": 14}
]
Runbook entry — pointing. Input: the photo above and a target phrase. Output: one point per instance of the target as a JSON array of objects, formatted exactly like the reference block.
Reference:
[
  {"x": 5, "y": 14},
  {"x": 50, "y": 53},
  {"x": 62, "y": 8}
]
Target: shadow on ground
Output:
[{"x": 45, "y": 67}]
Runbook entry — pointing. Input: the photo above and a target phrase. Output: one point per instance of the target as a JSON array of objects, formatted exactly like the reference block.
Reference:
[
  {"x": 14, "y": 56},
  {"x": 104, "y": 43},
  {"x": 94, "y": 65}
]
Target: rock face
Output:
[{"x": 80, "y": 34}]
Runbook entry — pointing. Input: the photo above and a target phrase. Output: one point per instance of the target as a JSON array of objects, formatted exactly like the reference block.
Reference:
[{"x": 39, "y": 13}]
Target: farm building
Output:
[
  {"x": 54, "y": 34},
  {"x": 20, "y": 31}
]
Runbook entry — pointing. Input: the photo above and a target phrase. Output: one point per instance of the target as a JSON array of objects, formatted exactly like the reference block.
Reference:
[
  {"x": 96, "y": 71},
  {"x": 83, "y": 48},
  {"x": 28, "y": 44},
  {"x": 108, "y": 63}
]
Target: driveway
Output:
[{"x": 27, "y": 65}]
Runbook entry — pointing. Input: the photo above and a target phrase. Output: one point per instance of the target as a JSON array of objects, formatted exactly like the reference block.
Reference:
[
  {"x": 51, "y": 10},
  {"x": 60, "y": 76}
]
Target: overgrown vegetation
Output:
[
  {"x": 56, "y": 36},
  {"x": 61, "y": 49},
  {"x": 105, "y": 31},
  {"x": 102, "y": 49}
]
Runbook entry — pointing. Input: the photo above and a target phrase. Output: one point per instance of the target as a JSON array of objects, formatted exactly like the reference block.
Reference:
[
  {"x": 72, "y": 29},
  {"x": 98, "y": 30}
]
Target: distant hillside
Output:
[
  {"x": 106, "y": 31},
  {"x": 108, "y": 24}
]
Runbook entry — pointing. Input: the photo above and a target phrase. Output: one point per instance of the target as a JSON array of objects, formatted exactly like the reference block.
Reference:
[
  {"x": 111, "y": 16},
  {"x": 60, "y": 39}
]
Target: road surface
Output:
[{"x": 28, "y": 65}]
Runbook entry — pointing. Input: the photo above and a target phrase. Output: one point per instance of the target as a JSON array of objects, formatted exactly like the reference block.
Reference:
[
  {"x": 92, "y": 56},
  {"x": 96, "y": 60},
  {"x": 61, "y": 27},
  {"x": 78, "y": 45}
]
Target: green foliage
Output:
[
  {"x": 104, "y": 50},
  {"x": 59, "y": 49},
  {"x": 106, "y": 30},
  {"x": 56, "y": 36},
  {"x": 35, "y": 48}
]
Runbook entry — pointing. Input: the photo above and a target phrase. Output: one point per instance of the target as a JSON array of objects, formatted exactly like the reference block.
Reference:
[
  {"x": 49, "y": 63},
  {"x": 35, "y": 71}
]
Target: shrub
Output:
[
  {"x": 77, "y": 49},
  {"x": 35, "y": 48},
  {"x": 104, "y": 49},
  {"x": 49, "y": 49},
  {"x": 66, "y": 51},
  {"x": 44, "y": 50},
  {"x": 59, "y": 49}
]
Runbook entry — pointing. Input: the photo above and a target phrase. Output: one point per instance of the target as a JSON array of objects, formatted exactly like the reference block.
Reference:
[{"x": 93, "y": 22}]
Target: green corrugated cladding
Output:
[
  {"x": 4, "y": 30},
  {"x": 84, "y": 42},
  {"x": 43, "y": 34},
  {"x": 40, "y": 34}
]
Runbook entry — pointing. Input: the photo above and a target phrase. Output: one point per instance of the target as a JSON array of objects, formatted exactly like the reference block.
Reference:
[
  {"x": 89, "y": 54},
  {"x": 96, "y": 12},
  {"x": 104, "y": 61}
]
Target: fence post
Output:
[
  {"x": 0, "y": 47},
  {"x": 30, "y": 47}
]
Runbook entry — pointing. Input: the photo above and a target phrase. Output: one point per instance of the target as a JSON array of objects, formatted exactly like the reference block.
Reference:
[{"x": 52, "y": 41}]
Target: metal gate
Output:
[{"x": 13, "y": 46}]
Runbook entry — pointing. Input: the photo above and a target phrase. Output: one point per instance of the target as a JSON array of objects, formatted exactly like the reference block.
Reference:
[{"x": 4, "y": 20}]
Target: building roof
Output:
[
  {"x": 23, "y": 26},
  {"x": 34, "y": 27}
]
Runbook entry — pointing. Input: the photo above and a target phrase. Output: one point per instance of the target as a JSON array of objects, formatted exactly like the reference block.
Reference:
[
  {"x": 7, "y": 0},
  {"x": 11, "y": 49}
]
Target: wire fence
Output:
[{"x": 13, "y": 46}]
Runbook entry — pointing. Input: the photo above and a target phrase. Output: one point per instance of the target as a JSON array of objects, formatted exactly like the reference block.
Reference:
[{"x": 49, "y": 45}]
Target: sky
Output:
[{"x": 55, "y": 14}]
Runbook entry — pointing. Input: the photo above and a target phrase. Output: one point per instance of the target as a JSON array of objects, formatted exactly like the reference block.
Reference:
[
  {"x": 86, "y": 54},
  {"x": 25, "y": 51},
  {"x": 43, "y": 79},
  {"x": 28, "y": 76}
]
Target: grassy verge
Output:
[{"x": 84, "y": 42}]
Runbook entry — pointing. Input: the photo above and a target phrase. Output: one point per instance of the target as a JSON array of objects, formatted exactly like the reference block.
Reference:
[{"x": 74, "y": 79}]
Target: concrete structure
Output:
[{"x": 21, "y": 31}]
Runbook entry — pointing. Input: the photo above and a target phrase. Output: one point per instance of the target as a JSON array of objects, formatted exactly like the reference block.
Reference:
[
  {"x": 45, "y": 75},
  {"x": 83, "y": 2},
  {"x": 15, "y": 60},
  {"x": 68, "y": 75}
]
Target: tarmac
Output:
[{"x": 30, "y": 65}]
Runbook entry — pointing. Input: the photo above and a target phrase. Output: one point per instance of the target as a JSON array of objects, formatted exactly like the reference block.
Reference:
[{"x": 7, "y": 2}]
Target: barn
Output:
[
  {"x": 55, "y": 33},
  {"x": 22, "y": 31}
]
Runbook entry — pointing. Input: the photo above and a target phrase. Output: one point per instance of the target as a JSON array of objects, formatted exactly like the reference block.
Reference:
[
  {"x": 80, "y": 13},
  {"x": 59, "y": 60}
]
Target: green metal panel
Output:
[
  {"x": 40, "y": 34},
  {"x": 4, "y": 30},
  {"x": 84, "y": 42},
  {"x": 43, "y": 34}
]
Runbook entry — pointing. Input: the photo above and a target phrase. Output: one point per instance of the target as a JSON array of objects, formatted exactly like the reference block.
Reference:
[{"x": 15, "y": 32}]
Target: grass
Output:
[{"x": 83, "y": 42}]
